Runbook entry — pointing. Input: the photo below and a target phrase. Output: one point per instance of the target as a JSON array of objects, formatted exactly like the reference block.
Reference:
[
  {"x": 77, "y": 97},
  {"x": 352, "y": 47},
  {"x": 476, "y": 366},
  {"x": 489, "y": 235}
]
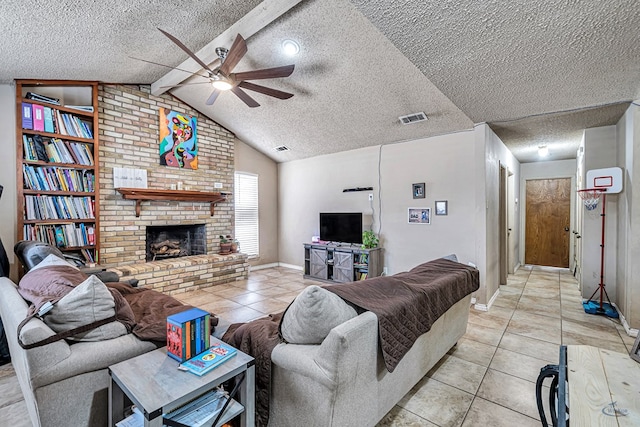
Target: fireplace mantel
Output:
[{"x": 140, "y": 194}]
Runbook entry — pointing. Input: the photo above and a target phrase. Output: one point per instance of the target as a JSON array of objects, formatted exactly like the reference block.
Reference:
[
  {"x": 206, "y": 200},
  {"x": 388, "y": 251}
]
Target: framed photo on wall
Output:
[
  {"x": 419, "y": 215},
  {"x": 442, "y": 207},
  {"x": 418, "y": 191}
]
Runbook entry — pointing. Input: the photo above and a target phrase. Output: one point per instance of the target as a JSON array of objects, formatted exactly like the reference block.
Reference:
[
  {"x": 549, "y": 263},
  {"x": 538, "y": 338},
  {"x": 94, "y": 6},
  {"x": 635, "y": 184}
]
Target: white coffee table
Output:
[{"x": 154, "y": 384}]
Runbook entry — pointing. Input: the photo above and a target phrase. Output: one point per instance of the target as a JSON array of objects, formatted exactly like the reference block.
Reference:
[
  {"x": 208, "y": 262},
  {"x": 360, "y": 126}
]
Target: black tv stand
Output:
[{"x": 341, "y": 262}]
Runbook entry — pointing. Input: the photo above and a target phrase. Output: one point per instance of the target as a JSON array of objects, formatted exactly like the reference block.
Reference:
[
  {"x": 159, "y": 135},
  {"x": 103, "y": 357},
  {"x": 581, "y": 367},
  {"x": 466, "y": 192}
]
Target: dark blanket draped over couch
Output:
[{"x": 406, "y": 304}]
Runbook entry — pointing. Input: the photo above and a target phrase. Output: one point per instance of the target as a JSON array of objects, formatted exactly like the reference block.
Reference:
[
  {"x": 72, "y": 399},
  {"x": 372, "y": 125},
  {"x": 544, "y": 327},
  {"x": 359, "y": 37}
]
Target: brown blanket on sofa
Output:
[
  {"x": 258, "y": 339},
  {"x": 143, "y": 311},
  {"x": 408, "y": 303}
]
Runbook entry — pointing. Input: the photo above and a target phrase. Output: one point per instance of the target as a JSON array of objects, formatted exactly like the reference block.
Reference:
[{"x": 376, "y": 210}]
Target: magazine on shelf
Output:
[{"x": 206, "y": 361}]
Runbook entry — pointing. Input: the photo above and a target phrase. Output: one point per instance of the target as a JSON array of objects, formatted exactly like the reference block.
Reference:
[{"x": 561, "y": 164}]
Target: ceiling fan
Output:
[{"x": 222, "y": 79}]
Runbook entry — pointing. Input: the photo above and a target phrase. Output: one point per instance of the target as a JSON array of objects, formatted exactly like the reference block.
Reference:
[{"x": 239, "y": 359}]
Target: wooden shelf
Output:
[
  {"x": 140, "y": 194},
  {"x": 71, "y": 92}
]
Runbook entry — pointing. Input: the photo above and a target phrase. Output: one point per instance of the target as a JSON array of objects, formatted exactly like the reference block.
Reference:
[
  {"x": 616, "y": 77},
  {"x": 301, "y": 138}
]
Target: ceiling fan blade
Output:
[
  {"x": 169, "y": 66},
  {"x": 237, "y": 51},
  {"x": 266, "y": 73},
  {"x": 212, "y": 98},
  {"x": 265, "y": 90},
  {"x": 186, "y": 49},
  {"x": 245, "y": 97}
]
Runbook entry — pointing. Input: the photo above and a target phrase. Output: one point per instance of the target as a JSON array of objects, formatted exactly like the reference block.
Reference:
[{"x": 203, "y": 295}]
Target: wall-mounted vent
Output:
[
  {"x": 280, "y": 148},
  {"x": 413, "y": 118}
]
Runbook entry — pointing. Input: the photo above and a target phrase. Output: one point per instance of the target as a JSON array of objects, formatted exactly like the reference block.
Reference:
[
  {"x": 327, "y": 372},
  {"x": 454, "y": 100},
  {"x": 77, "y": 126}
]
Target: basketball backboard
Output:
[{"x": 609, "y": 179}]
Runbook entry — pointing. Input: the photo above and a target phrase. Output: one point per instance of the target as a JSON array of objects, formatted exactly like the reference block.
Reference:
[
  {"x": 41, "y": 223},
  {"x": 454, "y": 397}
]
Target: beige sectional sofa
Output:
[
  {"x": 345, "y": 375},
  {"x": 62, "y": 384}
]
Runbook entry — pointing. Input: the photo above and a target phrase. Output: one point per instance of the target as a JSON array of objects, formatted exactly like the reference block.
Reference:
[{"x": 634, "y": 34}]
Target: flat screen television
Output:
[{"x": 341, "y": 227}]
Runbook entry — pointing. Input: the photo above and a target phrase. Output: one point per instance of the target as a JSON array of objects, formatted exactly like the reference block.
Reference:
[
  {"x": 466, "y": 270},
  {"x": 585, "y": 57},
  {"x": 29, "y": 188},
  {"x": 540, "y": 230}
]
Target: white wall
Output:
[
  {"x": 628, "y": 207},
  {"x": 8, "y": 206},
  {"x": 453, "y": 167},
  {"x": 495, "y": 154},
  {"x": 250, "y": 160},
  {"x": 600, "y": 151},
  {"x": 547, "y": 170}
]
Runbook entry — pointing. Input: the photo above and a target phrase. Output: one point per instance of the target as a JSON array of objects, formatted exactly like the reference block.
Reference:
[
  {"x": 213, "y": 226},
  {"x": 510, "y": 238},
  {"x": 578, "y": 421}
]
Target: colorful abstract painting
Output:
[{"x": 178, "y": 140}]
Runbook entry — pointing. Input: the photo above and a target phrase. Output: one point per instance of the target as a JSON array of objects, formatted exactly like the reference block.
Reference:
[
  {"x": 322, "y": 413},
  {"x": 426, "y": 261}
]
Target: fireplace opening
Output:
[{"x": 172, "y": 241}]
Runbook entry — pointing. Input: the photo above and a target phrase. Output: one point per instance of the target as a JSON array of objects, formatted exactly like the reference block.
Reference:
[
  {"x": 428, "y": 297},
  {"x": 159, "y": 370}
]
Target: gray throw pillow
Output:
[
  {"x": 312, "y": 315},
  {"x": 88, "y": 302}
]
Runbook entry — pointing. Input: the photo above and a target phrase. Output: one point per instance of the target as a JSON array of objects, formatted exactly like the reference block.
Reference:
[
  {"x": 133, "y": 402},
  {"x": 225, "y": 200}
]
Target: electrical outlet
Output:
[
  {"x": 217, "y": 185},
  {"x": 370, "y": 196}
]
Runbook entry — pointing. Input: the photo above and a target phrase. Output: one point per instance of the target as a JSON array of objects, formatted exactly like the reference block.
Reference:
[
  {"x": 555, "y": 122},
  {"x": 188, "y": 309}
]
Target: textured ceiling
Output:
[{"x": 526, "y": 68}]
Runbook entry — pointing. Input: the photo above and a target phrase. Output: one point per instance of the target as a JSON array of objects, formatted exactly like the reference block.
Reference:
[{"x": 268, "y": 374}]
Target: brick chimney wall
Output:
[{"x": 129, "y": 138}]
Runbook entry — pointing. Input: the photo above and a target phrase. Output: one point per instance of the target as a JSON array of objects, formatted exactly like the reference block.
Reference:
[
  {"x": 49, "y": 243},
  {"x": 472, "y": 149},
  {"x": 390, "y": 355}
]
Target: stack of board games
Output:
[{"x": 187, "y": 334}]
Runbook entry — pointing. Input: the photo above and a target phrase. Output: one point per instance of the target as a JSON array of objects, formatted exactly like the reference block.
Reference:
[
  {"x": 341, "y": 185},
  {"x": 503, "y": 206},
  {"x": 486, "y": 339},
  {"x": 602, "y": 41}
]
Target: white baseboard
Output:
[
  {"x": 486, "y": 307},
  {"x": 629, "y": 330},
  {"x": 274, "y": 264},
  {"x": 294, "y": 267},
  {"x": 262, "y": 266}
]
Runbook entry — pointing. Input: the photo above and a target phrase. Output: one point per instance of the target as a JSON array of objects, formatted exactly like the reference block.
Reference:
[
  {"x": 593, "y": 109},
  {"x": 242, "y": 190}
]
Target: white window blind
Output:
[{"x": 246, "y": 204}]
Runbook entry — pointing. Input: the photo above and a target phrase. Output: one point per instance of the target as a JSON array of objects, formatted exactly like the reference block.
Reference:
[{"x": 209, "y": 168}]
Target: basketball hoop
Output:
[{"x": 591, "y": 197}]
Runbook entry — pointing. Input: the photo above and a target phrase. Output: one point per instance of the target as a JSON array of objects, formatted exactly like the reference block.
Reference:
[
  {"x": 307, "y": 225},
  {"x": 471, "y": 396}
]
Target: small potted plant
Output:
[
  {"x": 369, "y": 239},
  {"x": 225, "y": 244}
]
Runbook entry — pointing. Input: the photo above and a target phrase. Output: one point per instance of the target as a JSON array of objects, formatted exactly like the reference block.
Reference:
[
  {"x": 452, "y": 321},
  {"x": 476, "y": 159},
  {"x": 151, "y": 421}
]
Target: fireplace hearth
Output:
[{"x": 173, "y": 241}]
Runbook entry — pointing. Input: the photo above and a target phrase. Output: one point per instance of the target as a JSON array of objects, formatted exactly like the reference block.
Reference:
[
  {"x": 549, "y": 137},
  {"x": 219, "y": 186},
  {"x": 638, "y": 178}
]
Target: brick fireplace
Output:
[{"x": 129, "y": 124}]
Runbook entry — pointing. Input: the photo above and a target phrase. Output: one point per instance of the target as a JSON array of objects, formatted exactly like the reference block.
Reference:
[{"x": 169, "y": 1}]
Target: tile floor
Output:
[{"x": 488, "y": 379}]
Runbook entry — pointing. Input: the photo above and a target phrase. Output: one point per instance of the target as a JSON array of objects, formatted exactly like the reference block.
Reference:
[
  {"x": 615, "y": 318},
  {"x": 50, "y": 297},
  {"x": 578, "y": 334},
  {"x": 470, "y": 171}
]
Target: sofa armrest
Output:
[{"x": 348, "y": 346}]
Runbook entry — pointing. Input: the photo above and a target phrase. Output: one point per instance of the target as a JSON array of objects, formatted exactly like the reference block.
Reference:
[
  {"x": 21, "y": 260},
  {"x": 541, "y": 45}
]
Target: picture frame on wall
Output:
[
  {"x": 419, "y": 215},
  {"x": 418, "y": 190},
  {"x": 442, "y": 207}
]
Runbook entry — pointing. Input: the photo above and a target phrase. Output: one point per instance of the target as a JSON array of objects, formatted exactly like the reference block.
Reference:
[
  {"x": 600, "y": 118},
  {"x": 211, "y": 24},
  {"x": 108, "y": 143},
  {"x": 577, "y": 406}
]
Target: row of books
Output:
[
  {"x": 61, "y": 235},
  {"x": 187, "y": 334},
  {"x": 57, "y": 150},
  {"x": 361, "y": 276},
  {"x": 43, "y": 178},
  {"x": 58, "y": 207},
  {"x": 46, "y": 119}
]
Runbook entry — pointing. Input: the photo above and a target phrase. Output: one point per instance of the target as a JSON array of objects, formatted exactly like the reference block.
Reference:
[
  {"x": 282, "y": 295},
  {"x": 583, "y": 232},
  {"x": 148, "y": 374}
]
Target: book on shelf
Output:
[
  {"x": 42, "y": 98},
  {"x": 48, "y": 120},
  {"x": 38, "y": 117},
  {"x": 209, "y": 359},
  {"x": 198, "y": 412},
  {"x": 27, "y": 117},
  {"x": 86, "y": 108},
  {"x": 187, "y": 333}
]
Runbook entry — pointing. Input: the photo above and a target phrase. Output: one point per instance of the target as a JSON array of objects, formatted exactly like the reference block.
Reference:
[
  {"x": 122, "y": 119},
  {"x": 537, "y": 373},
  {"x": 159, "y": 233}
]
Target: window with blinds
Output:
[{"x": 246, "y": 204}]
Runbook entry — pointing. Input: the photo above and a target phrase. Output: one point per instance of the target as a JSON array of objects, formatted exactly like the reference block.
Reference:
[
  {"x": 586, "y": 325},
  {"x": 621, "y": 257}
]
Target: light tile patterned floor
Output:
[{"x": 488, "y": 379}]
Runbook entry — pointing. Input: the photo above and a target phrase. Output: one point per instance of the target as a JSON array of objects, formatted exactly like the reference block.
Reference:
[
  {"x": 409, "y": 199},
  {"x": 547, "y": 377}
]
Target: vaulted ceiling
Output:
[{"x": 538, "y": 72}]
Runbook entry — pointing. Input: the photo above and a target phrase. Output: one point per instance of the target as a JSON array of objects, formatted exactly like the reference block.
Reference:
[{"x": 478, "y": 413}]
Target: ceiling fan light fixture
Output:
[
  {"x": 543, "y": 151},
  {"x": 221, "y": 83},
  {"x": 290, "y": 47}
]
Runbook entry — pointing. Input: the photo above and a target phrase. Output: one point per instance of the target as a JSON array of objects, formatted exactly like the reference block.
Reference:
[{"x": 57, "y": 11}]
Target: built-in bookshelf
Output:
[{"x": 57, "y": 164}]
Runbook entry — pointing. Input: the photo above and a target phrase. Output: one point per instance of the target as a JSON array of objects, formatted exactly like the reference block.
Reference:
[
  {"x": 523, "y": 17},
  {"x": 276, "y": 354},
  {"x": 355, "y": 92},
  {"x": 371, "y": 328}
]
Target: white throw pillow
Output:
[
  {"x": 88, "y": 302},
  {"x": 52, "y": 260},
  {"x": 312, "y": 315}
]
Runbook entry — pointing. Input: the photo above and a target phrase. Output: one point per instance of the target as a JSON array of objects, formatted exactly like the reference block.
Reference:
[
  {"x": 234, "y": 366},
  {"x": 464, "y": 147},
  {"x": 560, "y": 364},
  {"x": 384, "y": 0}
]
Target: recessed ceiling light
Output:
[
  {"x": 290, "y": 47},
  {"x": 543, "y": 151}
]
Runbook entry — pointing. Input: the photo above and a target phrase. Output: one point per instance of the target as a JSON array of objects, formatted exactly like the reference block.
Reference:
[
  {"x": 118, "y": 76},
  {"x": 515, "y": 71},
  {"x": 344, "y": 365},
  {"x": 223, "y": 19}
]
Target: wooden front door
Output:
[{"x": 547, "y": 222}]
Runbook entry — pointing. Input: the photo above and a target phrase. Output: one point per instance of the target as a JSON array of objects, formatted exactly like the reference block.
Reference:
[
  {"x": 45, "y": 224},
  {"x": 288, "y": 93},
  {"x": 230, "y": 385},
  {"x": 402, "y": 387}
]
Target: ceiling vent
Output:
[
  {"x": 413, "y": 118},
  {"x": 281, "y": 148}
]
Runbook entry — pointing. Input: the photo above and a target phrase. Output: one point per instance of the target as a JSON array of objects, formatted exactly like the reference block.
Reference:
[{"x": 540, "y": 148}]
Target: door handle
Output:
[{"x": 566, "y": 229}]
